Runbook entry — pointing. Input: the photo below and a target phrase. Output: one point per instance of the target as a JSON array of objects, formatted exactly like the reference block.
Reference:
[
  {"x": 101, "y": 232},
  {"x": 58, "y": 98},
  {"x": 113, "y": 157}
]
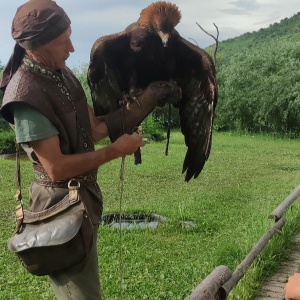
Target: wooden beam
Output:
[{"x": 209, "y": 287}]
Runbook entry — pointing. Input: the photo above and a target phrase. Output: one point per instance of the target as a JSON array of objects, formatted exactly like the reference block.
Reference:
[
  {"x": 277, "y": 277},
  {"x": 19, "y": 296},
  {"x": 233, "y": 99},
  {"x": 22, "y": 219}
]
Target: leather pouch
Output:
[{"x": 53, "y": 239}]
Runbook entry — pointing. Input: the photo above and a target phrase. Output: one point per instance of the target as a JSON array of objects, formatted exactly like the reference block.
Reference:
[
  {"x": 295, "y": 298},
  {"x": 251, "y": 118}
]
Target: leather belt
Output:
[{"x": 42, "y": 178}]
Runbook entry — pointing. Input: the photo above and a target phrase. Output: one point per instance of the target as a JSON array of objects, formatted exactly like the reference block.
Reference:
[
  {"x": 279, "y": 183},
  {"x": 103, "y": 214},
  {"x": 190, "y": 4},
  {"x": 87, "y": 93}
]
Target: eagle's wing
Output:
[
  {"x": 104, "y": 75},
  {"x": 196, "y": 76}
]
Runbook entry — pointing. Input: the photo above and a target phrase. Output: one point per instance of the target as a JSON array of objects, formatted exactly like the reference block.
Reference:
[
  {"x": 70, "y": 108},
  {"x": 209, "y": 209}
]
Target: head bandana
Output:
[{"x": 36, "y": 23}]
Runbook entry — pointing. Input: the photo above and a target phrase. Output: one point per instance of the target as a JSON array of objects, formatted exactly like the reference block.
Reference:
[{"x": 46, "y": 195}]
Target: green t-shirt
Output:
[{"x": 30, "y": 124}]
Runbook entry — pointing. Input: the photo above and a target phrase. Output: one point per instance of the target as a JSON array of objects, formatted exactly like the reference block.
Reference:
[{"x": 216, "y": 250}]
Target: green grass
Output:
[{"x": 244, "y": 180}]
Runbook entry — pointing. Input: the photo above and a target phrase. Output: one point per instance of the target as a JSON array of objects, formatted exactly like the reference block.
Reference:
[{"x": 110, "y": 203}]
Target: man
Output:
[{"x": 57, "y": 128}]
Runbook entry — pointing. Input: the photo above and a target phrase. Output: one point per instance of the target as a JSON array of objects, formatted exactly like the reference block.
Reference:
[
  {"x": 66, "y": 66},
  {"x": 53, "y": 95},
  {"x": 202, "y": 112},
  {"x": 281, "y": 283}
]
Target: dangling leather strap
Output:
[{"x": 19, "y": 207}]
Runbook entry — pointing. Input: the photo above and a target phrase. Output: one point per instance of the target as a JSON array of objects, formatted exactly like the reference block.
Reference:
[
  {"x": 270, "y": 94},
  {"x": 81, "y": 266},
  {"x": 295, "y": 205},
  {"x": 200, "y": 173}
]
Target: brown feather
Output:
[{"x": 163, "y": 16}]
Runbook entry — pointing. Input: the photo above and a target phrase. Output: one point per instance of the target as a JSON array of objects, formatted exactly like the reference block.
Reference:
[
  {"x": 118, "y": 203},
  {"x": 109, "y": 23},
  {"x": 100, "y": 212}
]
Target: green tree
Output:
[
  {"x": 81, "y": 74},
  {"x": 261, "y": 88}
]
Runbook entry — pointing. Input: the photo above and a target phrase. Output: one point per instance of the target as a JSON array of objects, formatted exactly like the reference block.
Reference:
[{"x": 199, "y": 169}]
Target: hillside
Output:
[
  {"x": 288, "y": 27},
  {"x": 258, "y": 76}
]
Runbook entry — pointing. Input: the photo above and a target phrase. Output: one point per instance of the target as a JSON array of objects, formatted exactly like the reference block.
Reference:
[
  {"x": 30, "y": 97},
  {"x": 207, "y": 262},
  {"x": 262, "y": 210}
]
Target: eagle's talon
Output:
[
  {"x": 136, "y": 101},
  {"x": 128, "y": 99},
  {"x": 128, "y": 105}
]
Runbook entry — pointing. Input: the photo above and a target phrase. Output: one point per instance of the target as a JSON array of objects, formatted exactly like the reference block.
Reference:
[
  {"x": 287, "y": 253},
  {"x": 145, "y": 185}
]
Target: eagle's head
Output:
[{"x": 160, "y": 17}]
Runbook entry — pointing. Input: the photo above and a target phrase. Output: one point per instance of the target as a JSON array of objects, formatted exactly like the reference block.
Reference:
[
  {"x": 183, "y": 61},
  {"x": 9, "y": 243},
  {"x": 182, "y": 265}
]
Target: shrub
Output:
[
  {"x": 7, "y": 142},
  {"x": 153, "y": 128},
  {"x": 4, "y": 126}
]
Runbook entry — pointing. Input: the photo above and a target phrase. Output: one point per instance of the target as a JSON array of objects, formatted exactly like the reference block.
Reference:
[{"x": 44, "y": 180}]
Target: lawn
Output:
[{"x": 244, "y": 180}]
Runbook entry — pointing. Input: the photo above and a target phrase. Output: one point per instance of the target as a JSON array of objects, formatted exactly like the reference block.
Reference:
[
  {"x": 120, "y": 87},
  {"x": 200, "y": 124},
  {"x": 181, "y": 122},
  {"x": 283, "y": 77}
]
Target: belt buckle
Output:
[{"x": 71, "y": 185}]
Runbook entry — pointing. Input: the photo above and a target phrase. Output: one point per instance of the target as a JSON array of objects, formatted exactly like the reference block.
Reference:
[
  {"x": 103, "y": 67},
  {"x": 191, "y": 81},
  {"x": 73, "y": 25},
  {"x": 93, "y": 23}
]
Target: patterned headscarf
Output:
[{"x": 36, "y": 23}]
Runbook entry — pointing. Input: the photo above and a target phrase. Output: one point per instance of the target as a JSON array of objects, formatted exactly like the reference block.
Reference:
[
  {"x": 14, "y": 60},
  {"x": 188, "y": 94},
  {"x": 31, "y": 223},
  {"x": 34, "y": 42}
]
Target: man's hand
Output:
[
  {"x": 128, "y": 143},
  {"x": 292, "y": 288}
]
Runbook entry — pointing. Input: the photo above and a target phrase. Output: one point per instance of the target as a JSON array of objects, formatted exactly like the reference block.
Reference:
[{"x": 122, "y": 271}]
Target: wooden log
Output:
[
  {"x": 209, "y": 287},
  {"x": 245, "y": 264},
  {"x": 281, "y": 208}
]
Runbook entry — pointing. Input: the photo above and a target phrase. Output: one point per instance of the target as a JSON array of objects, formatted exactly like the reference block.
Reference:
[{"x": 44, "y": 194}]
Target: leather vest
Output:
[{"x": 61, "y": 98}]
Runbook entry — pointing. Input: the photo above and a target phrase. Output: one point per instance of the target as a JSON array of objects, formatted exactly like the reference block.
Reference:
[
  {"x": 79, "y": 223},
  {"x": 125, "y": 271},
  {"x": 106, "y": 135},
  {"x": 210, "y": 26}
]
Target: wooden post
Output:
[
  {"x": 280, "y": 209},
  {"x": 208, "y": 288},
  {"x": 245, "y": 264}
]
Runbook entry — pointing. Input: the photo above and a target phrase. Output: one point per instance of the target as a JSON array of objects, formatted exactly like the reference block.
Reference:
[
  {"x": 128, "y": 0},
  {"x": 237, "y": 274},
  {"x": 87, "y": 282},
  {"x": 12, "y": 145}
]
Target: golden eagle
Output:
[{"x": 150, "y": 50}]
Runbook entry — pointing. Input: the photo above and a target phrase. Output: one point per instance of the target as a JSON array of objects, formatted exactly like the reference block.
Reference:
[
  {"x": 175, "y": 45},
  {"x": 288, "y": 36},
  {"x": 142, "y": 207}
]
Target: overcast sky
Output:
[{"x": 94, "y": 18}]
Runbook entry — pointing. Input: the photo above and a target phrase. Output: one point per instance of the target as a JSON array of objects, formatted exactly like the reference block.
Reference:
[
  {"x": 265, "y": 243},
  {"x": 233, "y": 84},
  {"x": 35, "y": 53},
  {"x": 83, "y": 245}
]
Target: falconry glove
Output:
[{"x": 127, "y": 118}]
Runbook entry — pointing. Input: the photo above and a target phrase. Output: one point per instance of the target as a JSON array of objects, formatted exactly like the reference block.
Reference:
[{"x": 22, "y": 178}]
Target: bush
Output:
[
  {"x": 4, "y": 126},
  {"x": 7, "y": 142},
  {"x": 167, "y": 116},
  {"x": 153, "y": 128},
  {"x": 81, "y": 74}
]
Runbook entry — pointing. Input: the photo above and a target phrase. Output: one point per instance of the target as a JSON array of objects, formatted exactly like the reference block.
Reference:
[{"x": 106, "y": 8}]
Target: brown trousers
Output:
[{"x": 80, "y": 282}]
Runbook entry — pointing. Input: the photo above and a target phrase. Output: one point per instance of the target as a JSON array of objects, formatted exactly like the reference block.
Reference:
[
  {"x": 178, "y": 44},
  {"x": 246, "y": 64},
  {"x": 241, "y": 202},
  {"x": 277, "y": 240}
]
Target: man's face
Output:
[{"x": 55, "y": 53}]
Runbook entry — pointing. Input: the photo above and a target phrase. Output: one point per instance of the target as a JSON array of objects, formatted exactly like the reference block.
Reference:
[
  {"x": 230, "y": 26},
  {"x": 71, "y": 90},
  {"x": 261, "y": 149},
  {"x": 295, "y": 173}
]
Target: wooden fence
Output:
[{"x": 218, "y": 284}]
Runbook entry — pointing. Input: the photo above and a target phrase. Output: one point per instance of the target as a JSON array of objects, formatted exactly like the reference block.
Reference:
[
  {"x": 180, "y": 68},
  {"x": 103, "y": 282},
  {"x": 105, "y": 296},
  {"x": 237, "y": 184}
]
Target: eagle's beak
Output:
[{"x": 164, "y": 37}]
